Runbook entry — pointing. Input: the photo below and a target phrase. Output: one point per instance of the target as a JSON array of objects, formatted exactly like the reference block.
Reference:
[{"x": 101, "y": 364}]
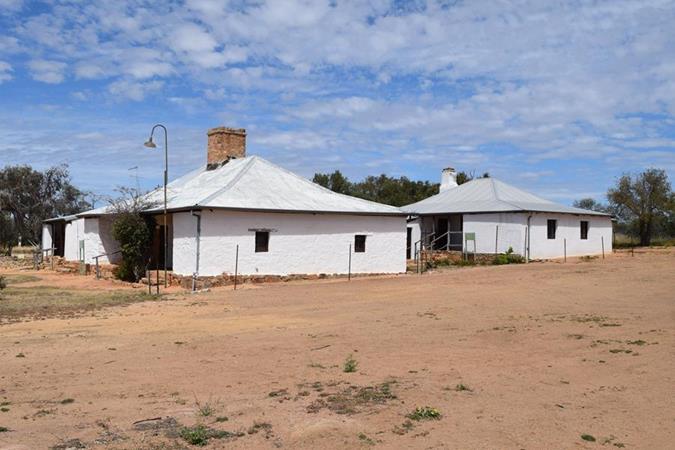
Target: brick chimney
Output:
[{"x": 225, "y": 144}]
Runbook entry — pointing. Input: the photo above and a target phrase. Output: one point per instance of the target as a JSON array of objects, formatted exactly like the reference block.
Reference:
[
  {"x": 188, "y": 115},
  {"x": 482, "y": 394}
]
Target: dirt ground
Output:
[{"x": 515, "y": 357}]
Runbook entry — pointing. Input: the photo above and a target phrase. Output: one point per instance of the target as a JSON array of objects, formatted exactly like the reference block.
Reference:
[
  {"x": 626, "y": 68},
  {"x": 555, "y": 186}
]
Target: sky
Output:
[{"x": 557, "y": 97}]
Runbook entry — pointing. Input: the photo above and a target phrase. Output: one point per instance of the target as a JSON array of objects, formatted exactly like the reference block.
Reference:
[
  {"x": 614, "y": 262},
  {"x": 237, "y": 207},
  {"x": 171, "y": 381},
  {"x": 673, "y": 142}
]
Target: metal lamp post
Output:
[{"x": 151, "y": 144}]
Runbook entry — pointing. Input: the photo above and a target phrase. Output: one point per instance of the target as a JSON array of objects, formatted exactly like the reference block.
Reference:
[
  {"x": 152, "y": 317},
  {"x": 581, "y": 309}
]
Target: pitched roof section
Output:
[
  {"x": 488, "y": 195},
  {"x": 252, "y": 183}
]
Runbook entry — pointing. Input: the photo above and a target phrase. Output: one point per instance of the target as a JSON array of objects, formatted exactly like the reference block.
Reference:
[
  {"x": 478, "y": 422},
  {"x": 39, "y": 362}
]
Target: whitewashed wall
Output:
[
  {"x": 98, "y": 240},
  {"x": 511, "y": 232},
  {"x": 568, "y": 228},
  {"x": 74, "y": 233},
  {"x": 302, "y": 244},
  {"x": 47, "y": 235}
]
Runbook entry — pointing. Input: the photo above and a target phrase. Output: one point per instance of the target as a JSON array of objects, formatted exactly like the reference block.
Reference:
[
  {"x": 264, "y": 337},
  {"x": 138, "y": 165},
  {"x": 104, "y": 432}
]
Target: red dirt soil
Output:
[{"x": 551, "y": 352}]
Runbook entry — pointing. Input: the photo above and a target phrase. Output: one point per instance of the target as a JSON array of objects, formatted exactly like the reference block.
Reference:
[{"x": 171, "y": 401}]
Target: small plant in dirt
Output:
[
  {"x": 4, "y": 429},
  {"x": 350, "y": 365},
  {"x": 260, "y": 426},
  {"x": 463, "y": 387},
  {"x": 363, "y": 437},
  {"x": 20, "y": 355},
  {"x": 205, "y": 409},
  {"x": 508, "y": 258},
  {"x": 3, "y": 283},
  {"x": 587, "y": 258},
  {"x": 199, "y": 435},
  {"x": 637, "y": 342},
  {"x": 424, "y": 413},
  {"x": 67, "y": 401},
  {"x": 588, "y": 437},
  {"x": 404, "y": 428},
  {"x": 222, "y": 419}
]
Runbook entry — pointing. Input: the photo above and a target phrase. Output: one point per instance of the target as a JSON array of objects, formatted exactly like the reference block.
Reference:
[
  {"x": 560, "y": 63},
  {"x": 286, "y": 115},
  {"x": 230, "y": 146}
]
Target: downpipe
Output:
[
  {"x": 527, "y": 253},
  {"x": 195, "y": 274}
]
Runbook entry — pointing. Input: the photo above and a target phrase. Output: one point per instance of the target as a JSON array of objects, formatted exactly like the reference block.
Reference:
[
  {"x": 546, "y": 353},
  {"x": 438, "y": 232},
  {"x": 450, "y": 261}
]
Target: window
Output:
[
  {"x": 584, "y": 229},
  {"x": 551, "y": 225},
  {"x": 360, "y": 243},
  {"x": 262, "y": 241}
]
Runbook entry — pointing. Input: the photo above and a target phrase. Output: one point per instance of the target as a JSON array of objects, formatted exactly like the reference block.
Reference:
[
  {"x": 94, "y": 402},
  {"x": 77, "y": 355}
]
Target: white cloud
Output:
[
  {"x": 133, "y": 90},
  {"x": 5, "y": 72},
  {"x": 51, "y": 72}
]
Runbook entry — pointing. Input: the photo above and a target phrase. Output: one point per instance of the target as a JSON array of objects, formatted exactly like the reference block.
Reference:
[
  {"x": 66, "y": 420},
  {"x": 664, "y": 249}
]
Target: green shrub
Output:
[
  {"x": 350, "y": 365},
  {"x": 508, "y": 258},
  {"x": 198, "y": 435},
  {"x": 425, "y": 413},
  {"x": 3, "y": 283},
  {"x": 133, "y": 232}
]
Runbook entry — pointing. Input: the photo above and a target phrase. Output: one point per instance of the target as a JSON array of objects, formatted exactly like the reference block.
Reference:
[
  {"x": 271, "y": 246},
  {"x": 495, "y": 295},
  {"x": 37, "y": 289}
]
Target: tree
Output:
[
  {"x": 645, "y": 200},
  {"x": 590, "y": 204},
  {"x": 133, "y": 231},
  {"x": 382, "y": 189},
  {"x": 335, "y": 181},
  {"x": 28, "y": 196},
  {"x": 465, "y": 177}
]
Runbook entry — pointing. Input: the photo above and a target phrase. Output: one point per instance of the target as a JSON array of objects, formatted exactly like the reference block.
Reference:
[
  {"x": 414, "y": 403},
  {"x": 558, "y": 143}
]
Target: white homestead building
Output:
[
  {"x": 283, "y": 224},
  {"x": 500, "y": 216}
]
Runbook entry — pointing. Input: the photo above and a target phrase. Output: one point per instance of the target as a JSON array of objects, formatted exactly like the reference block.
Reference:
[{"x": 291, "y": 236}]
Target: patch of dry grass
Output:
[{"x": 25, "y": 303}]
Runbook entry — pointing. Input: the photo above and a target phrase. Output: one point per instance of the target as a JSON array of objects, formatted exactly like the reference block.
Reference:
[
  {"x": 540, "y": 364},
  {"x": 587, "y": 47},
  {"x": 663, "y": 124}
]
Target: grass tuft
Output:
[
  {"x": 424, "y": 413},
  {"x": 588, "y": 437},
  {"x": 350, "y": 365}
]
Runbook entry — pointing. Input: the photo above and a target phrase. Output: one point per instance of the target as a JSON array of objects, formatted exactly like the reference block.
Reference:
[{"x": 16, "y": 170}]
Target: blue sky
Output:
[{"x": 559, "y": 98}]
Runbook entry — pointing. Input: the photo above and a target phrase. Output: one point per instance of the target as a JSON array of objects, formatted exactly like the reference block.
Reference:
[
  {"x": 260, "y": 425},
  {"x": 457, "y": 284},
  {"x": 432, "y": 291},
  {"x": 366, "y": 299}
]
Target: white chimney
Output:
[{"x": 448, "y": 179}]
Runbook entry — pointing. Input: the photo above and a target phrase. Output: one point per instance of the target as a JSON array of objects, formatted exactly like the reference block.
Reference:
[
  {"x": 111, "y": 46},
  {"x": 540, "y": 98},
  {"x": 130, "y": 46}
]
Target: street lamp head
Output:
[{"x": 150, "y": 144}]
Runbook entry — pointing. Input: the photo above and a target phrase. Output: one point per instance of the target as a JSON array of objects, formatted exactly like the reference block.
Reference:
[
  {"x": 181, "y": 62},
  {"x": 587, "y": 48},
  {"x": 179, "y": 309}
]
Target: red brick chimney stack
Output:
[{"x": 224, "y": 144}]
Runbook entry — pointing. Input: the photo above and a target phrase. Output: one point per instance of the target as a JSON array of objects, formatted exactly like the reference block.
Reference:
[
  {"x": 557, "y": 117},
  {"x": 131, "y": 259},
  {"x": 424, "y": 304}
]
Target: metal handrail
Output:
[
  {"x": 448, "y": 234},
  {"x": 40, "y": 251},
  {"x": 98, "y": 270}
]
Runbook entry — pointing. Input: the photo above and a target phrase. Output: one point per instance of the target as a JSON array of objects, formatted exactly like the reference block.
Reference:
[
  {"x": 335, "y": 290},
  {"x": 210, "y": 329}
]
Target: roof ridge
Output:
[
  {"x": 494, "y": 190},
  {"x": 232, "y": 182},
  {"x": 306, "y": 180}
]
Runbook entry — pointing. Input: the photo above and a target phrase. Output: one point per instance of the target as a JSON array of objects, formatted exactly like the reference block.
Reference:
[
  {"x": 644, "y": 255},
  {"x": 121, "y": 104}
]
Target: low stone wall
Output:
[
  {"x": 228, "y": 279},
  {"x": 454, "y": 256}
]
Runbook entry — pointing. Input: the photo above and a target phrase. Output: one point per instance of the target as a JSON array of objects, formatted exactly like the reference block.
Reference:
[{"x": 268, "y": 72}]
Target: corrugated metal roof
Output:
[
  {"x": 253, "y": 183},
  {"x": 488, "y": 195}
]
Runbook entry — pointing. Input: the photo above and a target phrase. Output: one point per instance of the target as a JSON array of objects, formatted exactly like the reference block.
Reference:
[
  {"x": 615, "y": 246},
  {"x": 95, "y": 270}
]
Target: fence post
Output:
[
  {"x": 147, "y": 276},
  {"x": 565, "y": 248},
  {"x": 497, "y": 239},
  {"x": 98, "y": 273},
  {"x": 349, "y": 273},
  {"x": 236, "y": 266},
  {"x": 602, "y": 240}
]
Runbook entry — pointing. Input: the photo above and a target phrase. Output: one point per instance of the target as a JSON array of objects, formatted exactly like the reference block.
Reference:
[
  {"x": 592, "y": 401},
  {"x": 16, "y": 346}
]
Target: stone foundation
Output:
[
  {"x": 454, "y": 256},
  {"x": 228, "y": 279}
]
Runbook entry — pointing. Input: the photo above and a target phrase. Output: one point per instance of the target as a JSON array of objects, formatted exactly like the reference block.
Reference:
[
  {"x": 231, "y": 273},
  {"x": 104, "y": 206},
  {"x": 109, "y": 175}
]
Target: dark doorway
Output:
[
  {"x": 408, "y": 243},
  {"x": 441, "y": 229},
  {"x": 157, "y": 258},
  {"x": 58, "y": 237}
]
